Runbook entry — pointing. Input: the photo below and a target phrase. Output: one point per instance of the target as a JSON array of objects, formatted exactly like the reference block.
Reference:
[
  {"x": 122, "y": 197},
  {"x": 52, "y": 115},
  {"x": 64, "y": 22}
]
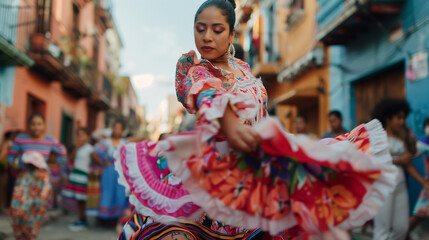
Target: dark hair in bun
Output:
[
  {"x": 227, "y": 8},
  {"x": 232, "y": 3}
]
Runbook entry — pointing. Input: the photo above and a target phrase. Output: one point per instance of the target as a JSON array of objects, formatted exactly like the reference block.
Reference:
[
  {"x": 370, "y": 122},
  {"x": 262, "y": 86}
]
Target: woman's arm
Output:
[
  {"x": 14, "y": 152},
  {"x": 97, "y": 160},
  {"x": 137, "y": 139},
  {"x": 416, "y": 175},
  {"x": 60, "y": 156},
  {"x": 403, "y": 160},
  {"x": 3, "y": 150},
  {"x": 239, "y": 136}
]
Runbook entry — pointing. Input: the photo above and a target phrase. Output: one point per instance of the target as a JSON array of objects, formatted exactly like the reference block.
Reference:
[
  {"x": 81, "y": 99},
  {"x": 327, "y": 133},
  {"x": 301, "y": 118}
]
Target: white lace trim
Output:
[{"x": 141, "y": 187}]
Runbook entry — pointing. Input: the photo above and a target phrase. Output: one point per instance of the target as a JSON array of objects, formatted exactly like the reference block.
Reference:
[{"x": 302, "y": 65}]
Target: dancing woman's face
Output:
[{"x": 211, "y": 32}]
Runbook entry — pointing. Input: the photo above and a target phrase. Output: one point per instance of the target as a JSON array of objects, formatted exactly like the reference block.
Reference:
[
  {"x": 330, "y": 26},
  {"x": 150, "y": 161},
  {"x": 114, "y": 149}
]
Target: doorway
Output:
[
  {"x": 388, "y": 83},
  {"x": 67, "y": 130}
]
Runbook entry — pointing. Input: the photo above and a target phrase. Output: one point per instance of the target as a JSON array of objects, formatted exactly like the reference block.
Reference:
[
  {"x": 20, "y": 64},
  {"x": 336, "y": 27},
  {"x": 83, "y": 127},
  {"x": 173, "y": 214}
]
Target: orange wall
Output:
[
  {"x": 61, "y": 19},
  {"x": 86, "y": 25},
  {"x": 293, "y": 45},
  {"x": 307, "y": 80},
  {"x": 27, "y": 13},
  {"x": 299, "y": 40},
  {"x": 56, "y": 101}
]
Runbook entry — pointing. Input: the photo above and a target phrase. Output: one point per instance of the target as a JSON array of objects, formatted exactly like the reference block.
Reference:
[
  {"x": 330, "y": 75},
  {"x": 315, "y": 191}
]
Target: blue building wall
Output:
[
  {"x": 330, "y": 10},
  {"x": 8, "y": 28},
  {"x": 373, "y": 52},
  {"x": 7, "y": 77},
  {"x": 9, "y": 21}
]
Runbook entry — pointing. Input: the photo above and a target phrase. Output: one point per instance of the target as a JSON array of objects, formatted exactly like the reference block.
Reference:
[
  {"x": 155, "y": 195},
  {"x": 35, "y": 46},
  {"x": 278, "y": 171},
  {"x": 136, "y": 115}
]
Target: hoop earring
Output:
[{"x": 231, "y": 50}]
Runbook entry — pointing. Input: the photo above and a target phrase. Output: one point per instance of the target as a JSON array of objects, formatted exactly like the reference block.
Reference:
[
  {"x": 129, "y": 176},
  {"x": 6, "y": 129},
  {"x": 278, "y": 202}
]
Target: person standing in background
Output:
[
  {"x": 32, "y": 187},
  {"x": 421, "y": 208},
  {"x": 301, "y": 127},
  {"x": 4, "y": 176},
  {"x": 113, "y": 201},
  {"x": 56, "y": 178},
  {"x": 391, "y": 222},
  {"x": 76, "y": 187},
  {"x": 12, "y": 174},
  {"x": 336, "y": 123}
]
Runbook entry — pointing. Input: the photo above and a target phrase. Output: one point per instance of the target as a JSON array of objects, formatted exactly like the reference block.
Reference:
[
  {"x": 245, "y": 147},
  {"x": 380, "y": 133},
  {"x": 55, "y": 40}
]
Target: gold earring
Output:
[{"x": 231, "y": 50}]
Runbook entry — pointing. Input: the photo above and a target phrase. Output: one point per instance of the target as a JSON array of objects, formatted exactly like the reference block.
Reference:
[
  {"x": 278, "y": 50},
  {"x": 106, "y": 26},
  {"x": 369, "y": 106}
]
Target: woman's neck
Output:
[
  {"x": 391, "y": 133},
  {"x": 221, "y": 61},
  {"x": 116, "y": 138},
  {"x": 41, "y": 137}
]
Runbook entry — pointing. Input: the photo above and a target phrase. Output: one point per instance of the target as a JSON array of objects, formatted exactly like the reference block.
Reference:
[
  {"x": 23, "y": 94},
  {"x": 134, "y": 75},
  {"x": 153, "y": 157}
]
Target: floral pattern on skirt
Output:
[{"x": 29, "y": 202}]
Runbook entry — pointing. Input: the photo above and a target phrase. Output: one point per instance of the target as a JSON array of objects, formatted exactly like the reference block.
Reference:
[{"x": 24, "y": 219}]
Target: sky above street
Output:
[{"x": 155, "y": 34}]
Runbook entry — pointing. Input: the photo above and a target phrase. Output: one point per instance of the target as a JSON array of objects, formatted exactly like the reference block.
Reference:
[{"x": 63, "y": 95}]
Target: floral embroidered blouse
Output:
[{"x": 207, "y": 90}]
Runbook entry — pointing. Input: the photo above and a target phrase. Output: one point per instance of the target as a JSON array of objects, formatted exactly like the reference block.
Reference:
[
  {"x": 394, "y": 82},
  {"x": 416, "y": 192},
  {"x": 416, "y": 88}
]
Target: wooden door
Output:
[{"x": 389, "y": 83}]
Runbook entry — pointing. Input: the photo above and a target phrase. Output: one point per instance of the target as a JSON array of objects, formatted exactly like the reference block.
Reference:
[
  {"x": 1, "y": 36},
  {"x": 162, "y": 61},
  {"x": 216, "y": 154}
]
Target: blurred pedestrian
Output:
[
  {"x": 336, "y": 124},
  {"x": 56, "y": 178},
  {"x": 392, "y": 219},
  {"x": 301, "y": 127},
  {"x": 12, "y": 174},
  {"x": 113, "y": 201},
  {"x": 421, "y": 208},
  {"x": 76, "y": 187},
  {"x": 32, "y": 187},
  {"x": 93, "y": 190},
  {"x": 4, "y": 175}
]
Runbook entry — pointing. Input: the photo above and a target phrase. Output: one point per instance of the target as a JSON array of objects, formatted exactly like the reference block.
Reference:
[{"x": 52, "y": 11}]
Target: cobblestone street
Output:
[{"x": 57, "y": 229}]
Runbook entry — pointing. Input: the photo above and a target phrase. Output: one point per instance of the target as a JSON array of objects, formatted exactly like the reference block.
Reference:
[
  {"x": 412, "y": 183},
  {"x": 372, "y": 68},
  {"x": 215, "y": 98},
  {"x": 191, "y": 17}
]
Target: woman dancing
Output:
[{"x": 238, "y": 174}]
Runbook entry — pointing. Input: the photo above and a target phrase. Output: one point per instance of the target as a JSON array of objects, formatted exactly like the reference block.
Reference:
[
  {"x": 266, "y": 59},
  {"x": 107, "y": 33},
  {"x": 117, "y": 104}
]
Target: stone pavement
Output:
[
  {"x": 56, "y": 228},
  {"x": 5, "y": 223},
  {"x": 5, "y": 227}
]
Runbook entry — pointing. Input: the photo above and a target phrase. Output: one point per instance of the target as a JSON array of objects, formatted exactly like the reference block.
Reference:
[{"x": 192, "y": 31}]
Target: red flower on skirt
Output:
[
  {"x": 18, "y": 194},
  {"x": 18, "y": 213},
  {"x": 34, "y": 191}
]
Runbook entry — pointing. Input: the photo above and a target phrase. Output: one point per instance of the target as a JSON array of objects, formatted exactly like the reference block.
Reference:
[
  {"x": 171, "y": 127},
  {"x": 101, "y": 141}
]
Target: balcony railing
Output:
[
  {"x": 51, "y": 61},
  {"x": 341, "y": 20},
  {"x": 14, "y": 20},
  {"x": 103, "y": 13}
]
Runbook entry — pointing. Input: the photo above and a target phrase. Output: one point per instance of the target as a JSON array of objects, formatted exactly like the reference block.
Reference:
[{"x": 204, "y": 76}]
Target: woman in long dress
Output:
[
  {"x": 113, "y": 201},
  {"x": 32, "y": 186}
]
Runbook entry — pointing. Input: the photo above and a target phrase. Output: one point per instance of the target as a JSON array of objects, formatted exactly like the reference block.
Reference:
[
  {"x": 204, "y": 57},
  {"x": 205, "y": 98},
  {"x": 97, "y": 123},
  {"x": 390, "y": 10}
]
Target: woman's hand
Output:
[
  {"x": 107, "y": 163},
  {"x": 240, "y": 137},
  {"x": 14, "y": 166},
  {"x": 426, "y": 187},
  {"x": 405, "y": 159}
]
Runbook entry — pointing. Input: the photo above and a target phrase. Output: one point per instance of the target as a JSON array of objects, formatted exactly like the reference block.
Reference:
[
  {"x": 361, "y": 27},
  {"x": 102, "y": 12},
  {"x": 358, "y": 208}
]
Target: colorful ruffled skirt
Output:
[{"x": 288, "y": 183}]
